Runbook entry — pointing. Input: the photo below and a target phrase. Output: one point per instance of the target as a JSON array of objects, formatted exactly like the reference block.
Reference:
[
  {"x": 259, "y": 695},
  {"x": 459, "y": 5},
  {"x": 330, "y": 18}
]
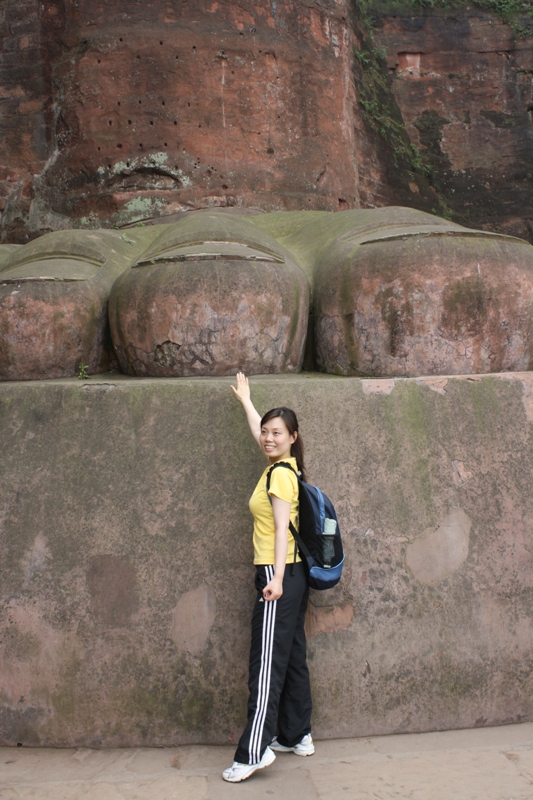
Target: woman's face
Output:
[{"x": 276, "y": 440}]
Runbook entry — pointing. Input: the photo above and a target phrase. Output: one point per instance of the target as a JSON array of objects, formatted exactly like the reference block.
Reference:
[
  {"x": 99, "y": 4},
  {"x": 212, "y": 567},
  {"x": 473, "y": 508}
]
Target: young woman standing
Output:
[{"x": 280, "y": 695}]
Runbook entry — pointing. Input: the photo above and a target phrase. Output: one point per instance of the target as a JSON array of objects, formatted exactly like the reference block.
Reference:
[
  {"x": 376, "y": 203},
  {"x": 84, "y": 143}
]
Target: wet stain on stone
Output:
[
  {"x": 465, "y": 306},
  {"x": 113, "y": 588}
]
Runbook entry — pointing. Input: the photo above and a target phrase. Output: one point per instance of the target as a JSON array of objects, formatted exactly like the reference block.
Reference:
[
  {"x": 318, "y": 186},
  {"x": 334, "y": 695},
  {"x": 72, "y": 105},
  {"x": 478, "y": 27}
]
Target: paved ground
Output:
[{"x": 486, "y": 764}]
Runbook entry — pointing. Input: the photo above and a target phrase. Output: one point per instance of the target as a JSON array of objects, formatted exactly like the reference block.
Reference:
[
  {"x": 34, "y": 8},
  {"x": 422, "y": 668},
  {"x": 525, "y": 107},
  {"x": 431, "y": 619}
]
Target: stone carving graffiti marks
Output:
[{"x": 214, "y": 294}]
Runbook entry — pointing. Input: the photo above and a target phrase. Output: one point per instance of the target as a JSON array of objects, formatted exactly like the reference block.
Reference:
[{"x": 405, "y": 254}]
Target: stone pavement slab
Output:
[{"x": 480, "y": 764}]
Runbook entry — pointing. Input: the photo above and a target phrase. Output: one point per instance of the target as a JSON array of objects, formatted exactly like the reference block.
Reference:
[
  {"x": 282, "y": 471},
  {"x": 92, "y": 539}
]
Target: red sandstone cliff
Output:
[
  {"x": 149, "y": 108},
  {"x": 464, "y": 84},
  {"x": 116, "y": 110}
]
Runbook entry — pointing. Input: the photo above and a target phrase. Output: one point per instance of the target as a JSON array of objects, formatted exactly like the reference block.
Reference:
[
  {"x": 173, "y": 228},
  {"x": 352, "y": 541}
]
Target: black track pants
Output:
[{"x": 280, "y": 695}]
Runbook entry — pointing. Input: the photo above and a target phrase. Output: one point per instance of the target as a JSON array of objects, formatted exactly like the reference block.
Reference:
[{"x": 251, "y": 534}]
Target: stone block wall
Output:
[
  {"x": 462, "y": 79},
  {"x": 126, "y": 552}
]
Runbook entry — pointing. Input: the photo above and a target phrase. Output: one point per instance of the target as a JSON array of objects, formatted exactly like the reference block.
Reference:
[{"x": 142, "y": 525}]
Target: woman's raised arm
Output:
[{"x": 242, "y": 393}]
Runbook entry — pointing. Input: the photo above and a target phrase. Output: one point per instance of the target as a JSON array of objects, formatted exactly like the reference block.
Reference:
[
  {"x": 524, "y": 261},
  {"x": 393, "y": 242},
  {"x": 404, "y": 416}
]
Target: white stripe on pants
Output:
[{"x": 269, "y": 621}]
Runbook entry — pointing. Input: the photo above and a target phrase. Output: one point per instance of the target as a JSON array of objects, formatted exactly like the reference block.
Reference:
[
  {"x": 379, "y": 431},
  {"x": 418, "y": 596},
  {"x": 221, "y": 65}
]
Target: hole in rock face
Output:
[
  {"x": 119, "y": 146},
  {"x": 409, "y": 62},
  {"x": 224, "y": 186},
  {"x": 165, "y": 354}
]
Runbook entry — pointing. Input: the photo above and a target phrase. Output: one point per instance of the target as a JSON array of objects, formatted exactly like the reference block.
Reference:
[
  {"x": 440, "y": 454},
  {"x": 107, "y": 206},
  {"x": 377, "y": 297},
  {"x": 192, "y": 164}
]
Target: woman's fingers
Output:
[
  {"x": 242, "y": 389},
  {"x": 238, "y": 378}
]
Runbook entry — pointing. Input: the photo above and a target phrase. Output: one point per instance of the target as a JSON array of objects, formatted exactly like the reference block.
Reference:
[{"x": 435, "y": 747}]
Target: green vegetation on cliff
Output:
[
  {"x": 407, "y": 166},
  {"x": 516, "y": 13}
]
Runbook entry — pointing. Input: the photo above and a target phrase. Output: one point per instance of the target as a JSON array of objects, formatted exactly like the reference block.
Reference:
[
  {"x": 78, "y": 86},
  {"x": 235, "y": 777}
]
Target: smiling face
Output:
[{"x": 275, "y": 439}]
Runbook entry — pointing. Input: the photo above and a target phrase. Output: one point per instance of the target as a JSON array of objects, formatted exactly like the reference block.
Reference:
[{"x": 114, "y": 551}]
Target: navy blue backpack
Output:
[{"x": 322, "y": 555}]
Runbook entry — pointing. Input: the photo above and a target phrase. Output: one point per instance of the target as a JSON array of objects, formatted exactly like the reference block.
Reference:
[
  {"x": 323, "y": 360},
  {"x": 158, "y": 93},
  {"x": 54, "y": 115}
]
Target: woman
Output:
[{"x": 280, "y": 695}]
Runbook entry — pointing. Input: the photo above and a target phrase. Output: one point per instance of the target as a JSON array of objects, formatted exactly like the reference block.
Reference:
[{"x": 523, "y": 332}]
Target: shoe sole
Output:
[
  {"x": 292, "y": 750},
  {"x": 257, "y": 766}
]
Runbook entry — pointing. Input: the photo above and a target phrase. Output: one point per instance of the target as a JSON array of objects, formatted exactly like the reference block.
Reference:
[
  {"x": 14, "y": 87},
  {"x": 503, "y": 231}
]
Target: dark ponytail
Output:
[{"x": 291, "y": 421}]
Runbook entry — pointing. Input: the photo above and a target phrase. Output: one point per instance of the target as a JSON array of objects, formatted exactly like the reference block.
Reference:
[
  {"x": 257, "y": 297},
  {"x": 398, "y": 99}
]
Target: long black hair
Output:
[{"x": 291, "y": 421}]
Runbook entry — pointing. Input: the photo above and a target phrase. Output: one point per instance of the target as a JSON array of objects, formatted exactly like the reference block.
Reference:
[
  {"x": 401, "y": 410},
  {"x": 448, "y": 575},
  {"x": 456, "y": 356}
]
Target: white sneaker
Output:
[
  {"x": 239, "y": 772},
  {"x": 303, "y": 748}
]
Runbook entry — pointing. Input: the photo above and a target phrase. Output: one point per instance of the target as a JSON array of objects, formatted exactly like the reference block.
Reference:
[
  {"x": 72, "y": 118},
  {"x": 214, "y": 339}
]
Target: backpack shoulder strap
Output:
[
  {"x": 301, "y": 546},
  {"x": 279, "y": 464}
]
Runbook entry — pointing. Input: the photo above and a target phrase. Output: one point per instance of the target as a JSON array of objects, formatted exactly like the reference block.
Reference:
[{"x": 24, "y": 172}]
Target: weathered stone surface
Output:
[
  {"x": 194, "y": 616},
  {"x": 123, "y": 111},
  {"x": 463, "y": 83},
  {"x": 6, "y": 251},
  {"x": 53, "y": 302},
  {"x": 401, "y": 292},
  {"x": 145, "y": 484},
  {"x": 162, "y": 107},
  {"x": 436, "y": 555},
  {"x": 396, "y": 292},
  {"x": 213, "y": 294}
]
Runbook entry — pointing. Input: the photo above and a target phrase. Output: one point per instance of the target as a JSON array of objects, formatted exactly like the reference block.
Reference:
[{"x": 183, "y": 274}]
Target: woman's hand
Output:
[
  {"x": 274, "y": 589},
  {"x": 242, "y": 390},
  {"x": 242, "y": 393}
]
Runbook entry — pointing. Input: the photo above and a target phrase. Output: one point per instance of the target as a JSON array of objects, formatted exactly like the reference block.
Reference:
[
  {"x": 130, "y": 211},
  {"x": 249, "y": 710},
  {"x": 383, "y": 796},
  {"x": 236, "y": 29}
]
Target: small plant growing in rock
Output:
[{"x": 83, "y": 373}]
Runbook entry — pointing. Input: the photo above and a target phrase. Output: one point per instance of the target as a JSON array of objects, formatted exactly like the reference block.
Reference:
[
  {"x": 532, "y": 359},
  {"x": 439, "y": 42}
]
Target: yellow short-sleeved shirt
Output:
[{"x": 284, "y": 484}]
